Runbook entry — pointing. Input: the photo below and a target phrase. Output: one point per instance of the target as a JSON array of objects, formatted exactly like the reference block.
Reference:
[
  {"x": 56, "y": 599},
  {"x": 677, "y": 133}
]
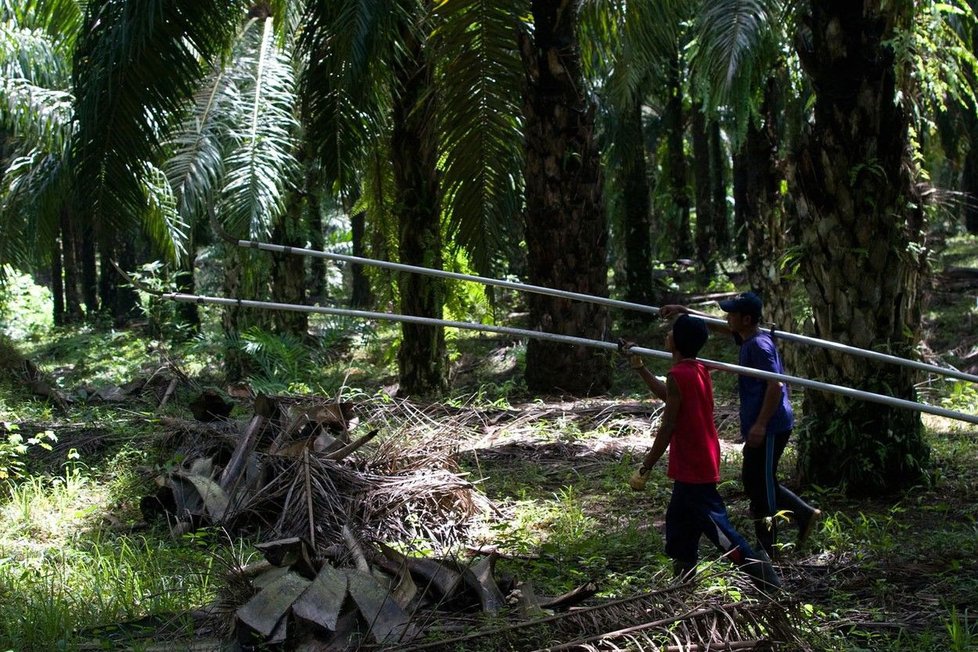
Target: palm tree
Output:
[
  {"x": 863, "y": 232},
  {"x": 853, "y": 184},
  {"x": 428, "y": 88},
  {"x": 36, "y": 42},
  {"x": 566, "y": 234}
]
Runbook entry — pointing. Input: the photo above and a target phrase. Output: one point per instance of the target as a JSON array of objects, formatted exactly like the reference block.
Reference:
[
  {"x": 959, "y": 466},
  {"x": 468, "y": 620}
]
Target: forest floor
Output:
[{"x": 892, "y": 573}]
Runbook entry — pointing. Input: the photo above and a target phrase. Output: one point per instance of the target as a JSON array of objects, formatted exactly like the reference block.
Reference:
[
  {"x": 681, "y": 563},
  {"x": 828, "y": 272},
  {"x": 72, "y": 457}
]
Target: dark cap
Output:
[{"x": 746, "y": 303}]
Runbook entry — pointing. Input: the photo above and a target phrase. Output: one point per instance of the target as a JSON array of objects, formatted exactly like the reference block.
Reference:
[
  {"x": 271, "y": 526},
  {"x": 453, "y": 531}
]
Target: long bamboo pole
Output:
[
  {"x": 613, "y": 303},
  {"x": 578, "y": 341}
]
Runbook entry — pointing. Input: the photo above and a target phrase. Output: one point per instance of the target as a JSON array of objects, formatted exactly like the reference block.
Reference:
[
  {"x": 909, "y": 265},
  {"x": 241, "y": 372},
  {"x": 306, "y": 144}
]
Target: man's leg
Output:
[
  {"x": 757, "y": 474},
  {"x": 803, "y": 514}
]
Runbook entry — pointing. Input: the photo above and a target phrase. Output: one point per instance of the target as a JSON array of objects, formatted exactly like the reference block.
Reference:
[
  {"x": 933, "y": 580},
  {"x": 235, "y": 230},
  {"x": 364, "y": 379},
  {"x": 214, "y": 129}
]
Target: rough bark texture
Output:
[
  {"x": 288, "y": 270},
  {"x": 73, "y": 310},
  {"x": 862, "y": 229},
  {"x": 637, "y": 209},
  {"x": 767, "y": 224},
  {"x": 566, "y": 231},
  {"x": 421, "y": 358}
]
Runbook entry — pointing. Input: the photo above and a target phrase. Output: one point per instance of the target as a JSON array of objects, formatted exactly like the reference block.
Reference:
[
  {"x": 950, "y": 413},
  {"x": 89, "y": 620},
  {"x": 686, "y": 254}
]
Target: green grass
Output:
[{"x": 63, "y": 572}]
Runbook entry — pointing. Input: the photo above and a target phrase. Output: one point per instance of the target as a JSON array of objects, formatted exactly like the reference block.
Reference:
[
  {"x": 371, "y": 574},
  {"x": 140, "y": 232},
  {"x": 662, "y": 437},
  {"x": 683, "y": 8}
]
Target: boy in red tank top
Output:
[{"x": 688, "y": 430}]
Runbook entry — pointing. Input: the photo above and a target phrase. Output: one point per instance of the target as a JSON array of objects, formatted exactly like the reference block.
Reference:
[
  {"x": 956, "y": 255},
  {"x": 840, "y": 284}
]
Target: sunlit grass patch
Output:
[{"x": 60, "y": 573}]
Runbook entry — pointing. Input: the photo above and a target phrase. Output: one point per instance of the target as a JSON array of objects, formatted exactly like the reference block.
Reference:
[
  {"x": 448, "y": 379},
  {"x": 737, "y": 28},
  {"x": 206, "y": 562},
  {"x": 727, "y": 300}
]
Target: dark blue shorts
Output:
[{"x": 695, "y": 510}]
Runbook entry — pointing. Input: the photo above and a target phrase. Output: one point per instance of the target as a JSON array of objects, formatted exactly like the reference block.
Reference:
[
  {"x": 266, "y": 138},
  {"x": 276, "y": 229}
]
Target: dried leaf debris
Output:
[{"x": 337, "y": 508}]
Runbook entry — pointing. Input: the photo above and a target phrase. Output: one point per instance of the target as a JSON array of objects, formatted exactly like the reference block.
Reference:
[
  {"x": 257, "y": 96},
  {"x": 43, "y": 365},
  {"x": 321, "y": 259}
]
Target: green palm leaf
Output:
[
  {"x": 261, "y": 163},
  {"x": 480, "y": 128},
  {"x": 60, "y": 20},
  {"x": 137, "y": 63},
  {"x": 736, "y": 43},
  {"x": 195, "y": 168},
  {"x": 348, "y": 46},
  {"x": 34, "y": 187},
  {"x": 162, "y": 222}
]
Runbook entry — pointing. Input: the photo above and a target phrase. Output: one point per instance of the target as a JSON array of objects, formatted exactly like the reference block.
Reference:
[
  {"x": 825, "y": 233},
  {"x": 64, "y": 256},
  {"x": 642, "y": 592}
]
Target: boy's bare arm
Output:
[
  {"x": 664, "y": 435},
  {"x": 654, "y": 384}
]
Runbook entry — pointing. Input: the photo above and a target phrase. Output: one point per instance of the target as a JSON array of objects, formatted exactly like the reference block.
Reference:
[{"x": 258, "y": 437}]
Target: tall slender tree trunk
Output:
[
  {"x": 360, "y": 294},
  {"x": 705, "y": 240},
  {"x": 637, "y": 208},
  {"x": 314, "y": 219},
  {"x": 89, "y": 270},
  {"x": 718, "y": 188},
  {"x": 73, "y": 311},
  {"x": 675, "y": 126},
  {"x": 767, "y": 225},
  {"x": 288, "y": 270},
  {"x": 57, "y": 285},
  {"x": 741, "y": 171},
  {"x": 566, "y": 231},
  {"x": 863, "y": 234},
  {"x": 422, "y": 357}
]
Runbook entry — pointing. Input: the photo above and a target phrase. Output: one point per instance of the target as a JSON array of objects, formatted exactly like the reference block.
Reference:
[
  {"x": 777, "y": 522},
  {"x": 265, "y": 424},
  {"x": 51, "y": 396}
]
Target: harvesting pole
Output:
[{"x": 577, "y": 341}]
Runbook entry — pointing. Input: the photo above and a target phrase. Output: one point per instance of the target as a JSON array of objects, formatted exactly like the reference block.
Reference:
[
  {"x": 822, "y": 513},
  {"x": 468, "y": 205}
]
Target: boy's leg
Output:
[
  {"x": 716, "y": 525},
  {"x": 682, "y": 532}
]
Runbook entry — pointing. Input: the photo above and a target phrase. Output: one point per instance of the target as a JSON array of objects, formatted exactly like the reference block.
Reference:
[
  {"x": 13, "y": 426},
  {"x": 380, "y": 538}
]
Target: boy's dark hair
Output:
[{"x": 689, "y": 334}]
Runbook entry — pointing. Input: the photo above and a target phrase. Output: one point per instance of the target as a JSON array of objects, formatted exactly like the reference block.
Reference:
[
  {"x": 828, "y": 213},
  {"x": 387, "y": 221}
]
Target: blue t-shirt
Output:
[{"x": 760, "y": 352}]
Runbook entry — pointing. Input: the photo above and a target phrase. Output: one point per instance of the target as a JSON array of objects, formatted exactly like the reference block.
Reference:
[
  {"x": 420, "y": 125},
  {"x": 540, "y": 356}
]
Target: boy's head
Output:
[
  {"x": 743, "y": 311},
  {"x": 689, "y": 334}
]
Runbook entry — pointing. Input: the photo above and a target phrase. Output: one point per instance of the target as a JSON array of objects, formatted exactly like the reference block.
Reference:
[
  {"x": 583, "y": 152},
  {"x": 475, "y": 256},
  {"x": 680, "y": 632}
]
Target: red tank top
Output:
[{"x": 694, "y": 449}]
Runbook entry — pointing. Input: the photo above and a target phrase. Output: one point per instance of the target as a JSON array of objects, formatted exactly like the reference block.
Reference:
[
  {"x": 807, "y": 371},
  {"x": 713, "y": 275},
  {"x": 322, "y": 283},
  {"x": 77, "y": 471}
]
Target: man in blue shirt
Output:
[{"x": 766, "y": 421}]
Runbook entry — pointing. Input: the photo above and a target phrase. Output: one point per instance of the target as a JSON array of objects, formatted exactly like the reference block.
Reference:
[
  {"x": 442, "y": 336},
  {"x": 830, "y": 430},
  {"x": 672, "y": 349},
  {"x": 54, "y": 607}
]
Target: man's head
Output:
[
  {"x": 689, "y": 334},
  {"x": 743, "y": 311}
]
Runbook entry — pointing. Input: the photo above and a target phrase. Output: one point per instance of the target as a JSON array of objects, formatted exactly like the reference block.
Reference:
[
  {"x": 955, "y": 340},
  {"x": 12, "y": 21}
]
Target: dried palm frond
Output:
[
  {"x": 678, "y": 617},
  {"x": 433, "y": 504}
]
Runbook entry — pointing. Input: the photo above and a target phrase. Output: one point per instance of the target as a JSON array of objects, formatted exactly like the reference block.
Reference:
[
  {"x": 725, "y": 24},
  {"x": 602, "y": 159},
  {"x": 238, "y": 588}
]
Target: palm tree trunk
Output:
[
  {"x": 718, "y": 188},
  {"x": 57, "y": 285},
  {"x": 741, "y": 172},
  {"x": 637, "y": 210},
  {"x": 566, "y": 232},
  {"x": 89, "y": 271},
  {"x": 288, "y": 270},
  {"x": 862, "y": 230},
  {"x": 422, "y": 357},
  {"x": 766, "y": 224},
  {"x": 675, "y": 128},
  {"x": 73, "y": 311},
  {"x": 360, "y": 294},
  {"x": 705, "y": 242}
]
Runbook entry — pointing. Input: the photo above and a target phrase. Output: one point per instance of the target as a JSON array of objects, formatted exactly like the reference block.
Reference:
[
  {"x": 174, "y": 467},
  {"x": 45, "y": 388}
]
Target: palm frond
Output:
[
  {"x": 479, "y": 125},
  {"x": 261, "y": 163},
  {"x": 162, "y": 222},
  {"x": 137, "y": 62},
  {"x": 34, "y": 187},
  {"x": 940, "y": 58},
  {"x": 195, "y": 167},
  {"x": 36, "y": 116},
  {"x": 60, "y": 20},
  {"x": 348, "y": 46},
  {"x": 736, "y": 43},
  {"x": 30, "y": 54}
]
